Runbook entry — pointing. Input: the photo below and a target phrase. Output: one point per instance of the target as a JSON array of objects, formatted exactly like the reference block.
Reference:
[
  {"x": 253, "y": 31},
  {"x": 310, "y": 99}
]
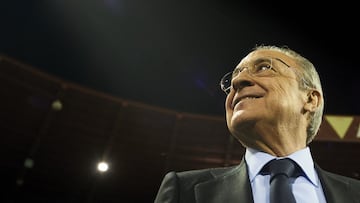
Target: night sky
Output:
[{"x": 171, "y": 53}]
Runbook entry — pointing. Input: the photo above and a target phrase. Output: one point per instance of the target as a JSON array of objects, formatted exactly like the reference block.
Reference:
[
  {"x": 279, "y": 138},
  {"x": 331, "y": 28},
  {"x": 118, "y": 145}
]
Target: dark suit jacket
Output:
[{"x": 231, "y": 184}]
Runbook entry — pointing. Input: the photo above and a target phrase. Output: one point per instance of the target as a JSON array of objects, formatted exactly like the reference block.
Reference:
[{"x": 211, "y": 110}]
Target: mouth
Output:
[{"x": 245, "y": 98}]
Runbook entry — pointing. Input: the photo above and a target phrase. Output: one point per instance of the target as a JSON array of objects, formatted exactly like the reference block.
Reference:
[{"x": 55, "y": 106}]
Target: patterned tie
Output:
[{"x": 280, "y": 171}]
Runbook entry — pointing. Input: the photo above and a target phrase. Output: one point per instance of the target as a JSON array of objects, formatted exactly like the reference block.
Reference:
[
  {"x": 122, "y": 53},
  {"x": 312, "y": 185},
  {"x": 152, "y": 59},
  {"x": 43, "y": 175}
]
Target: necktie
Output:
[{"x": 280, "y": 171}]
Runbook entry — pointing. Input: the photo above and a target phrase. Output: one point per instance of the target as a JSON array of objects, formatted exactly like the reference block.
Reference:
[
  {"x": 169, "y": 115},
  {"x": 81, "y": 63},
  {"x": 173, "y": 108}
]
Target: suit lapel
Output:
[
  {"x": 232, "y": 186},
  {"x": 335, "y": 189}
]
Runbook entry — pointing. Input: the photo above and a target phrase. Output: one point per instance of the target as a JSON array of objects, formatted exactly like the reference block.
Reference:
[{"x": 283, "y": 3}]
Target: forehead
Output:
[{"x": 252, "y": 56}]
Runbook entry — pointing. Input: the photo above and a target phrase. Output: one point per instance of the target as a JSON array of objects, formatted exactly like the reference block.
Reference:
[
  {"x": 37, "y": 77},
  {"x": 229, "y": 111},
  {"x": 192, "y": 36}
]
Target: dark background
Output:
[
  {"x": 173, "y": 53},
  {"x": 159, "y": 63}
]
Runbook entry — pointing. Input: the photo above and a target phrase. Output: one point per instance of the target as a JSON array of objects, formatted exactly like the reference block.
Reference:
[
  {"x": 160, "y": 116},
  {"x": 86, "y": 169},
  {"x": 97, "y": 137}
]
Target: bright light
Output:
[
  {"x": 103, "y": 166},
  {"x": 29, "y": 163},
  {"x": 56, "y": 105}
]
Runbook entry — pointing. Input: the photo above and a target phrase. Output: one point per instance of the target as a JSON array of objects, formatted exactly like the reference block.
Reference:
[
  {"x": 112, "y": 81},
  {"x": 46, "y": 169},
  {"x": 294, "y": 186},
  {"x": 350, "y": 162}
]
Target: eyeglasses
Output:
[{"x": 261, "y": 67}]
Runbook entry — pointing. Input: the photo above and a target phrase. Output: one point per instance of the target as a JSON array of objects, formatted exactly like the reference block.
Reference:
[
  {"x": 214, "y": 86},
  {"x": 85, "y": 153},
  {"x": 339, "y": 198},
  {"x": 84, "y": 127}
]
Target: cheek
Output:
[
  {"x": 286, "y": 97},
  {"x": 228, "y": 108}
]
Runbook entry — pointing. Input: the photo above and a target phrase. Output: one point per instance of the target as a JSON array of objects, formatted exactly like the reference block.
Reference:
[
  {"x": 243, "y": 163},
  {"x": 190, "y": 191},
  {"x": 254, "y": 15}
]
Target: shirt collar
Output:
[{"x": 256, "y": 159}]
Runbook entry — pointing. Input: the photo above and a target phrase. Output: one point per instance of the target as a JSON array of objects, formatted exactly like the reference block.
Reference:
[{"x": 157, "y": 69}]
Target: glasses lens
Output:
[
  {"x": 261, "y": 67},
  {"x": 225, "y": 82}
]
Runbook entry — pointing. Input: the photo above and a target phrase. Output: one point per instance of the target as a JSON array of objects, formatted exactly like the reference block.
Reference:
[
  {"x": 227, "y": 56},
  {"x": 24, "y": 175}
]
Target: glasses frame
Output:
[{"x": 226, "y": 80}]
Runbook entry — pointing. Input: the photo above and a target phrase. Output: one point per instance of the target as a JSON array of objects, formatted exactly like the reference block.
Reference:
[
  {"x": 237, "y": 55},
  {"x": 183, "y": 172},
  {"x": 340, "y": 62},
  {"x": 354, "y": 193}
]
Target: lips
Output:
[{"x": 245, "y": 97}]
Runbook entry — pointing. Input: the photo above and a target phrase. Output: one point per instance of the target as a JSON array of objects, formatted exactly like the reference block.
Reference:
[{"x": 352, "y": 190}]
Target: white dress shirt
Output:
[{"x": 306, "y": 189}]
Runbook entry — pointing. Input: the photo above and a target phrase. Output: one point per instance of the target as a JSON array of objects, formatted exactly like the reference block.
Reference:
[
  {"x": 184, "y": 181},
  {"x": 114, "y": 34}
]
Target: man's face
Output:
[{"x": 264, "y": 99}]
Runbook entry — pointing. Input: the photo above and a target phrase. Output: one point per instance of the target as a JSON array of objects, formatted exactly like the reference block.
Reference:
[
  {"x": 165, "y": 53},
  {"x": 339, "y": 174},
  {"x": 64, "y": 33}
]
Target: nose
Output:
[{"x": 241, "y": 81}]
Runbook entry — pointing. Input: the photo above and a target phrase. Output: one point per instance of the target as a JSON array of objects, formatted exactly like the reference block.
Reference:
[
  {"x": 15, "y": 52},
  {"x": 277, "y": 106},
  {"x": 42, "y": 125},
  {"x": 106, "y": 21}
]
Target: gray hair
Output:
[{"x": 310, "y": 79}]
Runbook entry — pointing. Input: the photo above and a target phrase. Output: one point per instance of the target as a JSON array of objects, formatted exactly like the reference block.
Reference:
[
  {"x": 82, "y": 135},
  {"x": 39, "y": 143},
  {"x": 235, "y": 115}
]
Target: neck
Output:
[{"x": 278, "y": 141}]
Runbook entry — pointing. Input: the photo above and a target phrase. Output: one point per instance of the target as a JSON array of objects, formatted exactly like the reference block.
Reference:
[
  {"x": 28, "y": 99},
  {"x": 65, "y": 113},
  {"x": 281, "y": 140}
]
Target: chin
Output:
[{"x": 241, "y": 119}]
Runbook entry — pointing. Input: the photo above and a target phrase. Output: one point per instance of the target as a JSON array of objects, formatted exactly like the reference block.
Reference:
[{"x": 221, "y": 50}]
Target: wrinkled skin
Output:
[{"x": 270, "y": 113}]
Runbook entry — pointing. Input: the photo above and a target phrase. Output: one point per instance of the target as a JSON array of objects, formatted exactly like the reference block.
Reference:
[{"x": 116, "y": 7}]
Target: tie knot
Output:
[
  {"x": 284, "y": 166},
  {"x": 280, "y": 171}
]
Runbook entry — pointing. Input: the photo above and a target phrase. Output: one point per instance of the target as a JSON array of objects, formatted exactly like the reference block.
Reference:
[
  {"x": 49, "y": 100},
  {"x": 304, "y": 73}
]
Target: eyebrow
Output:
[
  {"x": 282, "y": 62},
  {"x": 265, "y": 59},
  {"x": 262, "y": 59}
]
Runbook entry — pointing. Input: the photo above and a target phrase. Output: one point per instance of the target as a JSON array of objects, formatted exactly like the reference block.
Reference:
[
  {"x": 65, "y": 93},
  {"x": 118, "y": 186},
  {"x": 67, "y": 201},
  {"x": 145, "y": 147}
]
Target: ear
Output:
[{"x": 313, "y": 100}]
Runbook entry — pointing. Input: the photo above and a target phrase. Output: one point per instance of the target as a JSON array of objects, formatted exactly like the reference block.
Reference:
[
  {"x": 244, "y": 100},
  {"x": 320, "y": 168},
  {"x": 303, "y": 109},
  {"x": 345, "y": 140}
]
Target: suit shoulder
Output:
[
  {"x": 342, "y": 178},
  {"x": 200, "y": 175},
  {"x": 184, "y": 183}
]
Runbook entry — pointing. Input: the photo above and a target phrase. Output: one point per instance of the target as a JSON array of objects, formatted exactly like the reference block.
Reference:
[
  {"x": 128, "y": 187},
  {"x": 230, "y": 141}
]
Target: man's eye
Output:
[{"x": 262, "y": 67}]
